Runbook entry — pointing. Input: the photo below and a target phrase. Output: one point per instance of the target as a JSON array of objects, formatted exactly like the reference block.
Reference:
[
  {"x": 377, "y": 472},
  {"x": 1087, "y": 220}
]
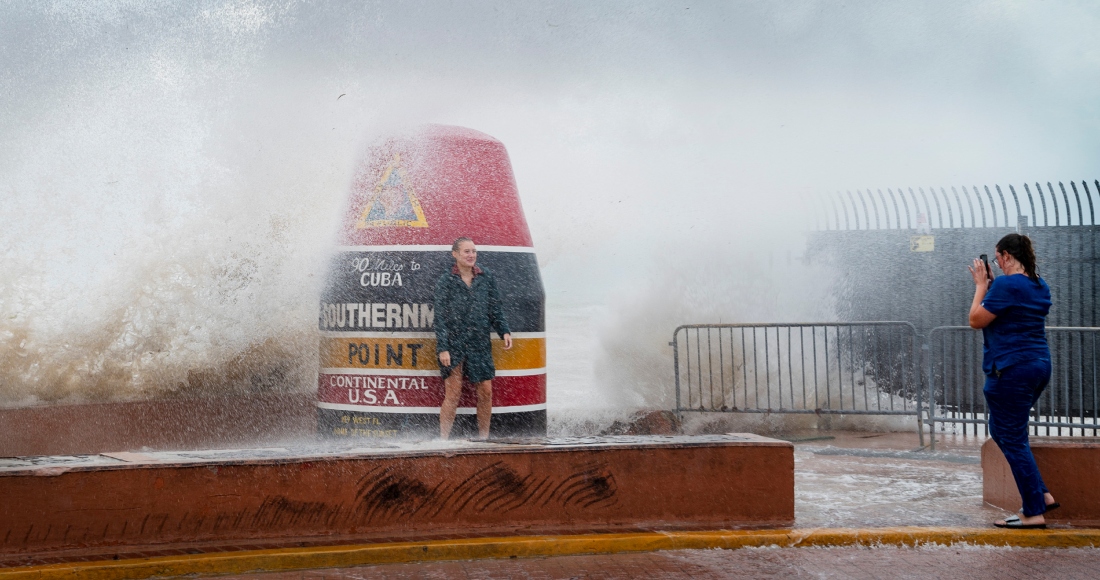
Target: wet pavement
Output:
[
  {"x": 860, "y": 480},
  {"x": 857, "y": 563},
  {"x": 341, "y": 450},
  {"x": 843, "y": 480}
]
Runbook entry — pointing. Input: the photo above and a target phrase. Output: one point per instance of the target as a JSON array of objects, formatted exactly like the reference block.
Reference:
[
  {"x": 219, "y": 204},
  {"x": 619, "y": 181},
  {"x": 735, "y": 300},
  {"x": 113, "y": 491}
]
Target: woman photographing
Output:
[
  {"x": 467, "y": 307},
  {"x": 1011, "y": 311}
]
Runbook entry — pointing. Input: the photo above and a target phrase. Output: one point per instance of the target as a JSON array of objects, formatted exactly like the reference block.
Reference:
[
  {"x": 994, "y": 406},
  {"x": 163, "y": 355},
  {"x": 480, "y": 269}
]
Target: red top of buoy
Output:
[{"x": 432, "y": 187}]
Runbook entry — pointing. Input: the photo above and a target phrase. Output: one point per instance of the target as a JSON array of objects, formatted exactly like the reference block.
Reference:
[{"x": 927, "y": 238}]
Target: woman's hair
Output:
[
  {"x": 458, "y": 242},
  {"x": 1019, "y": 247}
]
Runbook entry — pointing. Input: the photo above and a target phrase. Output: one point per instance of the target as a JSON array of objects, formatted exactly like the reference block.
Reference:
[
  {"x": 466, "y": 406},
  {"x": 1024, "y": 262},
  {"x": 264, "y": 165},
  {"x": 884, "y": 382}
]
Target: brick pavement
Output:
[{"x": 954, "y": 562}]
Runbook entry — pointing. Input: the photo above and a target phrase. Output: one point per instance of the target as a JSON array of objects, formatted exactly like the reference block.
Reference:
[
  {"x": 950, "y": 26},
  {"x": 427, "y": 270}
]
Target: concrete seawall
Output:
[{"x": 128, "y": 501}]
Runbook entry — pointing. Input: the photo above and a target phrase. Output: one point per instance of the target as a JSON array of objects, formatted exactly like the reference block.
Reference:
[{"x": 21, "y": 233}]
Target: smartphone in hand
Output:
[{"x": 985, "y": 260}]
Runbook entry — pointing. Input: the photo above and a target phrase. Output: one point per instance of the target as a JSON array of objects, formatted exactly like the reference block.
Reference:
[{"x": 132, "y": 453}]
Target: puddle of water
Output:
[{"x": 880, "y": 488}]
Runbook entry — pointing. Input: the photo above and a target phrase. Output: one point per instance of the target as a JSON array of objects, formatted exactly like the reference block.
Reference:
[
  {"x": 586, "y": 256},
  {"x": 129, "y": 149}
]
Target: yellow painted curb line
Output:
[{"x": 539, "y": 546}]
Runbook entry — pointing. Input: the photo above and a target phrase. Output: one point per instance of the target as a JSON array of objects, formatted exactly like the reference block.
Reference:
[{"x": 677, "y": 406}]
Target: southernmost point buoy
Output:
[{"x": 411, "y": 198}]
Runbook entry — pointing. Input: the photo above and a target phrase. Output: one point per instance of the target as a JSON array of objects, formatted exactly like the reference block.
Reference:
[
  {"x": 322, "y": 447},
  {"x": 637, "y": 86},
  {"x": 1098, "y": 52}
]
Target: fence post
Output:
[
  {"x": 926, "y": 377},
  {"x": 919, "y": 375},
  {"x": 676, "y": 364}
]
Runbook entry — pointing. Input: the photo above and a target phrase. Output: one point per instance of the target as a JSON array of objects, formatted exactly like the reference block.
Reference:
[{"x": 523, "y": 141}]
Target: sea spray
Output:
[{"x": 170, "y": 173}]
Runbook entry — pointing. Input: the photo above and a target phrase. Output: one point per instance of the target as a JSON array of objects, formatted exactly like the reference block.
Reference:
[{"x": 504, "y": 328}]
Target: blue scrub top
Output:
[{"x": 1018, "y": 334}]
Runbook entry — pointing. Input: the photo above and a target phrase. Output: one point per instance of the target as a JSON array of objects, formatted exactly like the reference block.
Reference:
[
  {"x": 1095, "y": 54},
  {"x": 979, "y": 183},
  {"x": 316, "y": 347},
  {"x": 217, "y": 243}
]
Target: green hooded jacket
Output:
[{"x": 464, "y": 317}]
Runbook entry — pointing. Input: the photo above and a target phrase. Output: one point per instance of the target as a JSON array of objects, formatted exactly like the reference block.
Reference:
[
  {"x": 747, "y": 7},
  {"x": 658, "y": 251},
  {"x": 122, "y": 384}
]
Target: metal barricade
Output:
[
  {"x": 1068, "y": 406},
  {"x": 838, "y": 368},
  {"x": 955, "y": 378}
]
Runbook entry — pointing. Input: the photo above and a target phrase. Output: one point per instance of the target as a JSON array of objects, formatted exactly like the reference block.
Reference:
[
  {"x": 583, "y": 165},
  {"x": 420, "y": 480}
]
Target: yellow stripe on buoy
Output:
[{"x": 418, "y": 353}]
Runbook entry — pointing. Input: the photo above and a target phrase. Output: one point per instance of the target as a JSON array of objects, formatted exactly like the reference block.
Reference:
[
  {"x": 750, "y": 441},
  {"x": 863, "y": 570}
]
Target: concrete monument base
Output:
[
  {"x": 1070, "y": 468},
  {"x": 98, "y": 505}
]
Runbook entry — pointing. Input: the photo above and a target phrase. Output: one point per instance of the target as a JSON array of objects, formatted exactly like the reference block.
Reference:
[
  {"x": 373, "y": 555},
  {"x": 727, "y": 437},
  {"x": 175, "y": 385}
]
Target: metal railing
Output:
[
  {"x": 873, "y": 210},
  {"x": 875, "y": 368},
  {"x": 838, "y": 368},
  {"x": 1068, "y": 406}
]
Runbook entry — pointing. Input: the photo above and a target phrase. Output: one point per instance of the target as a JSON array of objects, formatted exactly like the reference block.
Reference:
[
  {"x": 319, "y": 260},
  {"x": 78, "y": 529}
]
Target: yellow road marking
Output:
[{"x": 218, "y": 563}]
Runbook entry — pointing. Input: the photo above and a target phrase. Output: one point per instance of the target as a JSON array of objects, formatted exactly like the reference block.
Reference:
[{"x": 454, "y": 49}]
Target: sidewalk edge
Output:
[{"x": 217, "y": 563}]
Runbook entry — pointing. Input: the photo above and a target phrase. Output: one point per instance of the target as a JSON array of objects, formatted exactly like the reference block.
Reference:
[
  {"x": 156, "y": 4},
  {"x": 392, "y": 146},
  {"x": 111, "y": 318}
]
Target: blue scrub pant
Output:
[{"x": 1009, "y": 399}]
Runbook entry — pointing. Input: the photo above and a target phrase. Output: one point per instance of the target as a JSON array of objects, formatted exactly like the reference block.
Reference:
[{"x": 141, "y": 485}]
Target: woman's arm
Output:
[
  {"x": 496, "y": 312},
  {"x": 979, "y": 316},
  {"x": 440, "y": 307}
]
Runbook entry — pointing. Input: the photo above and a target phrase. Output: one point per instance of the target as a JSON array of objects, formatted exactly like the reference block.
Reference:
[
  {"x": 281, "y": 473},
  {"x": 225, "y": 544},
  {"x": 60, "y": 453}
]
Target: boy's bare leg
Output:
[
  {"x": 452, "y": 390},
  {"x": 484, "y": 408}
]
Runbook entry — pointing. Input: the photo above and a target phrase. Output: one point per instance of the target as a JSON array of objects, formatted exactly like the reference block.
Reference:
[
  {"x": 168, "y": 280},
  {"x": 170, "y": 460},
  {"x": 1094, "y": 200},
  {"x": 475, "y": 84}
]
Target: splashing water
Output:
[{"x": 172, "y": 176}]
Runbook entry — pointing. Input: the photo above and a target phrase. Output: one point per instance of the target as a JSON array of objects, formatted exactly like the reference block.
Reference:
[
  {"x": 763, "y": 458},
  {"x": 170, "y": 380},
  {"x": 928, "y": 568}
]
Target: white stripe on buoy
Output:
[
  {"x": 422, "y": 373},
  {"x": 428, "y": 410},
  {"x": 518, "y": 249},
  {"x": 403, "y": 335}
]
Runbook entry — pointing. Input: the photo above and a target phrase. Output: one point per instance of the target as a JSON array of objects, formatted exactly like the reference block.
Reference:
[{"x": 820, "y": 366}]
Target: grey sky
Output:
[{"x": 627, "y": 121}]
